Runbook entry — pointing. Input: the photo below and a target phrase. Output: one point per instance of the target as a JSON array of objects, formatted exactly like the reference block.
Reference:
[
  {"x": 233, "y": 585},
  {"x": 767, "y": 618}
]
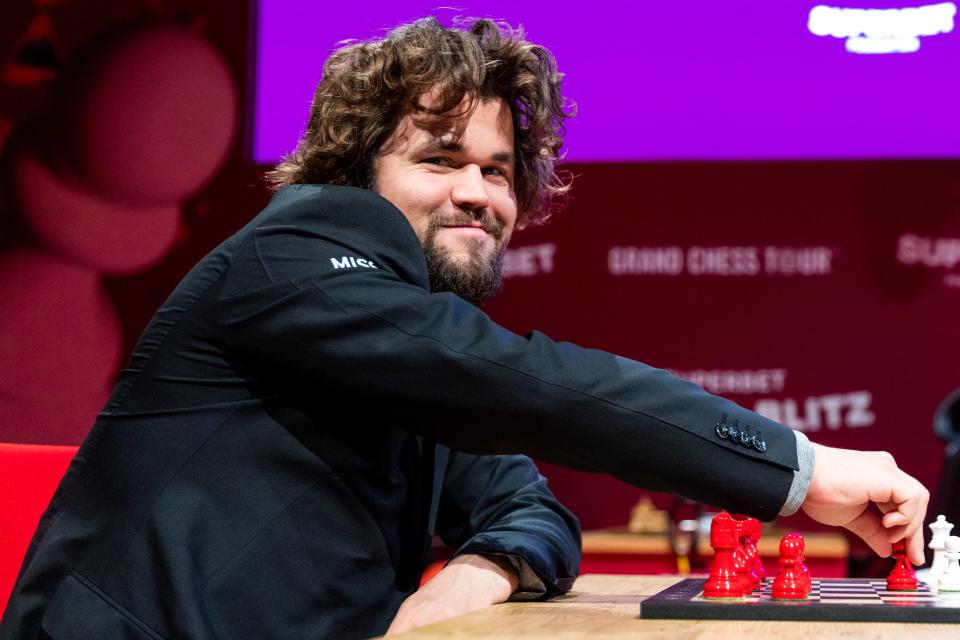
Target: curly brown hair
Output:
[{"x": 368, "y": 86}]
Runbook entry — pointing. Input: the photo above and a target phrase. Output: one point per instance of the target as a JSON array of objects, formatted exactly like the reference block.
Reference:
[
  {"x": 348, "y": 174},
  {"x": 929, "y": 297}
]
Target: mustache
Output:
[{"x": 488, "y": 223}]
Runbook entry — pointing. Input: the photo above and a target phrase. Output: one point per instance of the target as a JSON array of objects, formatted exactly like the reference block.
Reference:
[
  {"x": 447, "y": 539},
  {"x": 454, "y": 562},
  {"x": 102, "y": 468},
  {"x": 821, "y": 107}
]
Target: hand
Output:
[
  {"x": 468, "y": 582},
  {"x": 845, "y": 482}
]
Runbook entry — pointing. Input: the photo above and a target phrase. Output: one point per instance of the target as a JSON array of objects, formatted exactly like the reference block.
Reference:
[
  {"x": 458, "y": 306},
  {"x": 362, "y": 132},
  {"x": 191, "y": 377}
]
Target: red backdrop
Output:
[{"x": 823, "y": 292}]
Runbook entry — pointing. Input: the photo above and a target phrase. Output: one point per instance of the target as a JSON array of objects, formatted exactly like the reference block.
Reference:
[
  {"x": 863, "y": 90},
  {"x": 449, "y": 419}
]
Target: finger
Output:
[
  {"x": 915, "y": 508},
  {"x": 871, "y": 530},
  {"x": 910, "y": 499},
  {"x": 886, "y": 507},
  {"x": 915, "y": 551},
  {"x": 908, "y": 496},
  {"x": 895, "y": 534},
  {"x": 893, "y": 519},
  {"x": 914, "y": 531}
]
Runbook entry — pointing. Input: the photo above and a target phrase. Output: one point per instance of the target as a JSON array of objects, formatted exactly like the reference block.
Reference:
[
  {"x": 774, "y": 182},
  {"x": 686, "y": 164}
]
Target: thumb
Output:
[{"x": 869, "y": 527}]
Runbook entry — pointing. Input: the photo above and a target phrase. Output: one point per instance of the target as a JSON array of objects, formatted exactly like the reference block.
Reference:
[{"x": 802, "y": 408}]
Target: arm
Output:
[
  {"x": 445, "y": 367},
  {"x": 501, "y": 506},
  {"x": 513, "y": 539},
  {"x": 442, "y": 365}
]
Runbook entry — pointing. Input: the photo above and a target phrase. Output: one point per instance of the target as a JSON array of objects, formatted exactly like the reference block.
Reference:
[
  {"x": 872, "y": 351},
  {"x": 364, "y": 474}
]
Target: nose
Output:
[{"x": 469, "y": 190}]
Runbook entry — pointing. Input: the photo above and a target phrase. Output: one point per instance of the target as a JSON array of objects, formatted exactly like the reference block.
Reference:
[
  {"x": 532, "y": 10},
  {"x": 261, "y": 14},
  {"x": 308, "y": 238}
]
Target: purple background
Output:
[{"x": 686, "y": 79}]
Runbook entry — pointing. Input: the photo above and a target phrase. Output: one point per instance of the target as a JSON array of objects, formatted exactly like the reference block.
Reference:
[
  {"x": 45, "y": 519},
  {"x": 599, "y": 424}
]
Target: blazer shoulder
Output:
[
  {"x": 346, "y": 208},
  {"x": 306, "y": 228}
]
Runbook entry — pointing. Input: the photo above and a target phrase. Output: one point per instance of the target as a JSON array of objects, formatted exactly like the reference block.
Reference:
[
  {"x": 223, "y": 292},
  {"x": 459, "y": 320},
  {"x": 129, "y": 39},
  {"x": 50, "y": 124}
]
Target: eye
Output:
[
  {"x": 498, "y": 173},
  {"x": 438, "y": 161}
]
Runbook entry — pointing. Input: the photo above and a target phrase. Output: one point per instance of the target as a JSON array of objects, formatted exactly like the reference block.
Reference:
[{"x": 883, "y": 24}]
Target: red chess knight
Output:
[
  {"x": 755, "y": 532},
  {"x": 746, "y": 554},
  {"x": 790, "y": 583},
  {"x": 903, "y": 577},
  {"x": 723, "y": 582}
]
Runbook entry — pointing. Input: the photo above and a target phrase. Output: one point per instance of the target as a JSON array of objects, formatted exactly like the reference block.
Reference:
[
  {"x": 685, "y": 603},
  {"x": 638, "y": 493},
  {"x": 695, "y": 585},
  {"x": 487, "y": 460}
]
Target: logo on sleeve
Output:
[{"x": 349, "y": 262}]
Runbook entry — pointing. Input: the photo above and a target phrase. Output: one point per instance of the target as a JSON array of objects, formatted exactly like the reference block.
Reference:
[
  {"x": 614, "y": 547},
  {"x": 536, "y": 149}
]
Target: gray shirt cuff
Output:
[{"x": 801, "y": 477}]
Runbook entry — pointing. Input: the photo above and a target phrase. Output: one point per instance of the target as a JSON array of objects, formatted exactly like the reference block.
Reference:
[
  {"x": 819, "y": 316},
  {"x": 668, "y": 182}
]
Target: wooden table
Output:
[
  {"x": 616, "y": 550},
  {"x": 607, "y": 606}
]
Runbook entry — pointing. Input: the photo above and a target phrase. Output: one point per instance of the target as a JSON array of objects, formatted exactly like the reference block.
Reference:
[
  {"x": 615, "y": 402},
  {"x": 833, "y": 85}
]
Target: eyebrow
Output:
[{"x": 446, "y": 144}]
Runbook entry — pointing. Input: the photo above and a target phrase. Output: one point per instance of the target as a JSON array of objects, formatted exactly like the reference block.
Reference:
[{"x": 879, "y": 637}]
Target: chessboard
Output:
[{"x": 833, "y": 600}]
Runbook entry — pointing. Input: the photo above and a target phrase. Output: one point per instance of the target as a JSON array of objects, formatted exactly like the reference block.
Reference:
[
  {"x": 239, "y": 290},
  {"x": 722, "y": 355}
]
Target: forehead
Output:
[{"x": 486, "y": 129}]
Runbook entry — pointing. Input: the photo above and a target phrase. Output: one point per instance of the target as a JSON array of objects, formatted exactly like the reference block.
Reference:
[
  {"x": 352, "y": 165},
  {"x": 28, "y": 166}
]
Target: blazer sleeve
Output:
[
  {"x": 289, "y": 307},
  {"x": 501, "y": 505}
]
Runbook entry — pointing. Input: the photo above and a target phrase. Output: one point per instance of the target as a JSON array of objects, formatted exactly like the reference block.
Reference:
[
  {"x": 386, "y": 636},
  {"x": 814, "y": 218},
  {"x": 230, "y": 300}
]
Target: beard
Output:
[{"x": 476, "y": 278}]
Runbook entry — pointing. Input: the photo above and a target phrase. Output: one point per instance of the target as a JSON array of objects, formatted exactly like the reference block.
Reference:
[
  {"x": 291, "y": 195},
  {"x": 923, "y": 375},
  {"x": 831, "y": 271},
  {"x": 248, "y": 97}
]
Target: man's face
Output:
[{"x": 453, "y": 180}]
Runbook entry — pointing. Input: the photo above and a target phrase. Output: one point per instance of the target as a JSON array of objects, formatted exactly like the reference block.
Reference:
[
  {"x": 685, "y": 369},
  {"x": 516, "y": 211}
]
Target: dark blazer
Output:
[{"x": 301, "y": 416}]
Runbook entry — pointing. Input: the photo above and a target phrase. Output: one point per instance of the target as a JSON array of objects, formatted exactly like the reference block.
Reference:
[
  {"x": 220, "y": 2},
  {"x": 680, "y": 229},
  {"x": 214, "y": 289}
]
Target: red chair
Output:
[{"x": 29, "y": 474}]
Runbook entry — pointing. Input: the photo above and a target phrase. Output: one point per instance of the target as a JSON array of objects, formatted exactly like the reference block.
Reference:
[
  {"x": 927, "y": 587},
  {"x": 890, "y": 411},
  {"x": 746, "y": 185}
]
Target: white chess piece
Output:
[
  {"x": 949, "y": 585},
  {"x": 940, "y": 530}
]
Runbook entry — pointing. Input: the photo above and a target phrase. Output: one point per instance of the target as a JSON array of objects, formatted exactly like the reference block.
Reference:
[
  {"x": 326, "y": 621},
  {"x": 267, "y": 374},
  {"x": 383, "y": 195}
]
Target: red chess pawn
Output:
[
  {"x": 903, "y": 577},
  {"x": 723, "y": 582},
  {"x": 804, "y": 569},
  {"x": 789, "y": 583}
]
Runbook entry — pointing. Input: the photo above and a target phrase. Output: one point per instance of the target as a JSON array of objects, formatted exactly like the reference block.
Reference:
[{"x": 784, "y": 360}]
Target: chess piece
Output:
[
  {"x": 789, "y": 583},
  {"x": 750, "y": 535},
  {"x": 646, "y": 518},
  {"x": 903, "y": 577},
  {"x": 753, "y": 540},
  {"x": 940, "y": 531},
  {"x": 949, "y": 584},
  {"x": 723, "y": 582},
  {"x": 802, "y": 562},
  {"x": 742, "y": 562}
]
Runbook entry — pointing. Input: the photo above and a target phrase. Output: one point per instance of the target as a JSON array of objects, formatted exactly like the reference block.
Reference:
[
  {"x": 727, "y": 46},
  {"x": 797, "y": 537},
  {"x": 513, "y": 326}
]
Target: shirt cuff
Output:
[
  {"x": 801, "y": 477},
  {"x": 530, "y": 586}
]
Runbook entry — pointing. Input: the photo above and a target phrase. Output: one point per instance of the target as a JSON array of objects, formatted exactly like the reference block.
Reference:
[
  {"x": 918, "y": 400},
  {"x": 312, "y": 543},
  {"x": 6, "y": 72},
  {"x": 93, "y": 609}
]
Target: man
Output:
[{"x": 320, "y": 395}]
